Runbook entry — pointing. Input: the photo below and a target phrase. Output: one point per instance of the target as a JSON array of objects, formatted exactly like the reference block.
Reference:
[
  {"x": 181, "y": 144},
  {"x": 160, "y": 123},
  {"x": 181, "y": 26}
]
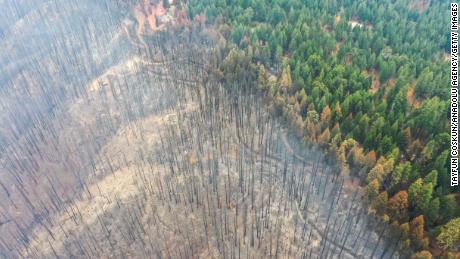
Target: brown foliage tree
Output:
[
  {"x": 398, "y": 205},
  {"x": 380, "y": 202},
  {"x": 326, "y": 115},
  {"x": 417, "y": 234}
]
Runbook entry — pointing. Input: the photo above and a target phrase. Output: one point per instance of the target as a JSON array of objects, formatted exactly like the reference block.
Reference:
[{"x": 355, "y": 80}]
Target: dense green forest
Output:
[{"x": 368, "y": 81}]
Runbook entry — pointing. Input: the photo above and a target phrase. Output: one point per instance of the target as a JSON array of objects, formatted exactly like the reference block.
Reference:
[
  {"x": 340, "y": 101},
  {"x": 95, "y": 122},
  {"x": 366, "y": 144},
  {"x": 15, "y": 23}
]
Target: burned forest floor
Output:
[{"x": 119, "y": 141}]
